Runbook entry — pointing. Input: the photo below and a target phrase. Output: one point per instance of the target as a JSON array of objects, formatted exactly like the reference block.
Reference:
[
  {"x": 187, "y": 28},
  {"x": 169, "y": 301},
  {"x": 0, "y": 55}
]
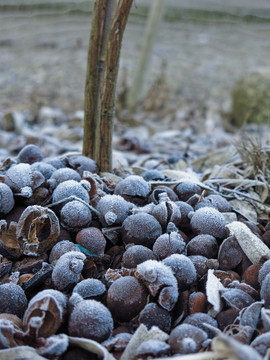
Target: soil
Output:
[{"x": 206, "y": 46}]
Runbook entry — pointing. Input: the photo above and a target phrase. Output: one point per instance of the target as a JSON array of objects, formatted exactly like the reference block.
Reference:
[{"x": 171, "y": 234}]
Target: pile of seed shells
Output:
[{"x": 84, "y": 256}]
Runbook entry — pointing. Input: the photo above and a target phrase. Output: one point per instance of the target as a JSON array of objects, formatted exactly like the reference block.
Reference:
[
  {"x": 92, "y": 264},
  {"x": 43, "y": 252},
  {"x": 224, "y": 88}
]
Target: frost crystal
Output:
[
  {"x": 65, "y": 174},
  {"x": 75, "y": 215},
  {"x": 133, "y": 185},
  {"x": 67, "y": 270}
]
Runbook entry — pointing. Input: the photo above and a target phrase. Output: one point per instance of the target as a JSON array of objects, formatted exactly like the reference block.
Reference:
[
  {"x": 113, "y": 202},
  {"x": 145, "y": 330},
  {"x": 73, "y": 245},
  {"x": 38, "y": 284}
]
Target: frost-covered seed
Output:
[
  {"x": 186, "y": 189},
  {"x": 65, "y": 174},
  {"x": 13, "y": 299},
  {"x": 209, "y": 221},
  {"x": 92, "y": 239},
  {"x": 265, "y": 291},
  {"x": 134, "y": 189},
  {"x": 67, "y": 270},
  {"x": 89, "y": 288},
  {"x": 183, "y": 269},
  {"x": 60, "y": 249},
  {"x": 113, "y": 210},
  {"x": 216, "y": 201},
  {"x": 30, "y": 154},
  {"x": 198, "y": 320},
  {"x": 6, "y": 199},
  {"x": 82, "y": 163},
  {"x": 186, "y": 339},
  {"x": 45, "y": 169},
  {"x": 203, "y": 244},
  {"x": 264, "y": 271},
  {"x": 135, "y": 255},
  {"x": 155, "y": 315},
  {"x": 19, "y": 176},
  {"x": 169, "y": 244},
  {"x": 69, "y": 188},
  {"x": 141, "y": 229},
  {"x": 126, "y": 297},
  {"x": 92, "y": 320},
  {"x": 75, "y": 215}
]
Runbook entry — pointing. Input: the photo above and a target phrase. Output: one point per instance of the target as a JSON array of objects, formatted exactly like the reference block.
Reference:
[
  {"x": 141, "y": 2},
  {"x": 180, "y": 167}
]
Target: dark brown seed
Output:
[
  {"x": 183, "y": 269},
  {"x": 92, "y": 320},
  {"x": 141, "y": 229},
  {"x": 236, "y": 298},
  {"x": 250, "y": 276},
  {"x": 13, "y": 299},
  {"x": 226, "y": 318},
  {"x": 198, "y": 320},
  {"x": 186, "y": 339},
  {"x": 197, "y": 302},
  {"x": 126, "y": 297},
  {"x": 185, "y": 190},
  {"x": 154, "y": 196},
  {"x": 92, "y": 239},
  {"x": 154, "y": 315},
  {"x": 134, "y": 189},
  {"x": 169, "y": 244},
  {"x": 230, "y": 254},
  {"x": 135, "y": 255},
  {"x": 205, "y": 245}
]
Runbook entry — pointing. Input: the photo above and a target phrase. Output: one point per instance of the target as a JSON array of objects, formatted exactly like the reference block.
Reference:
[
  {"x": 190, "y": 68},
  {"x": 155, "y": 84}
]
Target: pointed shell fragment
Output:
[
  {"x": 213, "y": 288},
  {"x": 253, "y": 247}
]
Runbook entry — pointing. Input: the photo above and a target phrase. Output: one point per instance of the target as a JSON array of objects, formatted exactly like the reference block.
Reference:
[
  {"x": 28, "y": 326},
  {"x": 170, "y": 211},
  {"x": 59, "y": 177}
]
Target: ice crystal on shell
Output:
[
  {"x": 60, "y": 249},
  {"x": 54, "y": 346},
  {"x": 201, "y": 320},
  {"x": 216, "y": 201},
  {"x": 6, "y": 199},
  {"x": 155, "y": 315},
  {"x": 13, "y": 299},
  {"x": 250, "y": 315},
  {"x": 113, "y": 209},
  {"x": 182, "y": 268},
  {"x": 92, "y": 320},
  {"x": 69, "y": 188},
  {"x": 153, "y": 348},
  {"x": 209, "y": 221},
  {"x": 67, "y": 270},
  {"x": 159, "y": 278},
  {"x": 169, "y": 244},
  {"x": 89, "y": 288},
  {"x": 75, "y": 215}
]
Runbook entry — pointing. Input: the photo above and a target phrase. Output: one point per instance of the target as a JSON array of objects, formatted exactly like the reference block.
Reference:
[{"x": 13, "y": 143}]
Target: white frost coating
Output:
[
  {"x": 64, "y": 174},
  {"x": 182, "y": 267},
  {"x": 6, "y": 199},
  {"x": 213, "y": 287},
  {"x": 55, "y": 345},
  {"x": 19, "y": 176},
  {"x": 67, "y": 269},
  {"x": 265, "y": 316},
  {"x": 69, "y": 188},
  {"x": 75, "y": 215},
  {"x": 141, "y": 335},
  {"x": 253, "y": 247}
]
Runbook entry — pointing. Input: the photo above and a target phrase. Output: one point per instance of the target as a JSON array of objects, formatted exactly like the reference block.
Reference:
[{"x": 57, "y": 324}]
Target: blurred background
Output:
[{"x": 205, "y": 45}]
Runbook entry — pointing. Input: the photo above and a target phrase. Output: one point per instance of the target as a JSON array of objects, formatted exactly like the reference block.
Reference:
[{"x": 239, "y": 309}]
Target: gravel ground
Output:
[{"x": 43, "y": 53}]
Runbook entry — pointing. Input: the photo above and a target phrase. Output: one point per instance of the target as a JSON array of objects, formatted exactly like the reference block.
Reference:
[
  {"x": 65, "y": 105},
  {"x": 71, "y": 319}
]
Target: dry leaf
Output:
[
  {"x": 20, "y": 353},
  {"x": 213, "y": 287},
  {"x": 253, "y": 247},
  {"x": 91, "y": 346}
]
